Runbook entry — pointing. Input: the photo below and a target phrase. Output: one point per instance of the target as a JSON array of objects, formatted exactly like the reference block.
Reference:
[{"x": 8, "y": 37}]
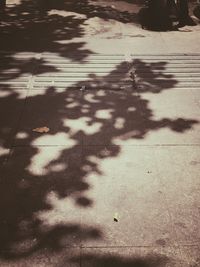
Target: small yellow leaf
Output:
[{"x": 41, "y": 130}]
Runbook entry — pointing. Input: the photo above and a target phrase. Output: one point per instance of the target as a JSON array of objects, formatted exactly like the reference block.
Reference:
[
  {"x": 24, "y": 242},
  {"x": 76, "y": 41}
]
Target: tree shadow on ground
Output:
[
  {"x": 41, "y": 173},
  {"x": 152, "y": 260},
  {"x": 26, "y": 29},
  {"x": 44, "y": 171},
  {"x": 90, "y": 10},
  {"x": 30, "y": 27}
]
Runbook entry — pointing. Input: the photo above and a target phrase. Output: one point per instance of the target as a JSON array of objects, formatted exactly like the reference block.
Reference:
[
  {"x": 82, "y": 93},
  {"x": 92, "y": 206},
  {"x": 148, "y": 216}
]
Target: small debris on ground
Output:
[
  {"x": 41, "y": 130},
  {"x": 185, "y": 30},
  {"x": 83, "y": 88},
  {"x": 116, "y": 217}
]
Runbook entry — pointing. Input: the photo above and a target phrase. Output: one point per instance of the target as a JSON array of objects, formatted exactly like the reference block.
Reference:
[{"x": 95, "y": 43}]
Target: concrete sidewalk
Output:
[{"x": 114, "y": 180}]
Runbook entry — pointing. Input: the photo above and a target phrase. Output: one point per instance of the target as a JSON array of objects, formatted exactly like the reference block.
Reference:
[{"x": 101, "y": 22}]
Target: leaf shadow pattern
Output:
[
  {"x": 37, "y": 178},
  {"x": 26, "y": 29},
  {"x": 42, "y": 172},
  {"x": 30, "y": 27},
  {"x": 90, "y": 9}
]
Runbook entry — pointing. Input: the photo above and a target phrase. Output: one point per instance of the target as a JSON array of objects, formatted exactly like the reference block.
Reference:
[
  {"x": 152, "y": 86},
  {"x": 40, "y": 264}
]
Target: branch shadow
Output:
[{"x": 38, "y": 175}]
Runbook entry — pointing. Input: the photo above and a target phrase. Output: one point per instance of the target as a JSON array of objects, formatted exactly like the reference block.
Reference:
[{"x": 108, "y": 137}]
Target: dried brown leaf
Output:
[{"x": 41, "y": 130}]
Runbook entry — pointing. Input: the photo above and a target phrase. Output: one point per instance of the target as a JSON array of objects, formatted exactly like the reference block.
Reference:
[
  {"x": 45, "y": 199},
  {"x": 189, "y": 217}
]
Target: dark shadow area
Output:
[
  {"x": 91, "y": 9},
  {"x": 153, "y": 260},
  {"x": 26, "y": 190},
  {"x": 196, "y": 11},
  {"x": 27, "y": 28},
  {"x": 168, "y": 15},
  {"x": 34, "y": 180},
  {"x": 134, "y": 1}
]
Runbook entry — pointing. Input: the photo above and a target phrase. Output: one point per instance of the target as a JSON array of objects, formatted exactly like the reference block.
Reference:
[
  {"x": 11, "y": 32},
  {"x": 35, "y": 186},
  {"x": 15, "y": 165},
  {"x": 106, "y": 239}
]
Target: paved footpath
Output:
[{"x": 112, "y": 178}]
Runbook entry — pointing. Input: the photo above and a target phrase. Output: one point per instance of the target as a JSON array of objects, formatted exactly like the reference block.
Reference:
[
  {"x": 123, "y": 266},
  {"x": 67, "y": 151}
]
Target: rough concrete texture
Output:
[{"x": 115, "y": 181}]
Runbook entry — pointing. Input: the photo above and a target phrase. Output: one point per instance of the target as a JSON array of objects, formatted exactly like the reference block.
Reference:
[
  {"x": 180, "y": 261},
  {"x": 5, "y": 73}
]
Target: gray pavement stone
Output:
[
  {"x": 190, "y": 255},
  {"x": 181, "y": 41},
  {"x": 128, "y": 184},
  {"x": 178, "y": 169},
  {"x": 134, "y": 40},
  {"x": 179, "y": 107}
]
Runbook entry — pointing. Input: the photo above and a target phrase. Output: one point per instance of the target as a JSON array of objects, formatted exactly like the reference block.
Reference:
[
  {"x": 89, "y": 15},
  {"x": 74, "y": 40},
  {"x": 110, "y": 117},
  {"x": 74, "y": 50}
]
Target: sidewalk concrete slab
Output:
[
  {"x": 190, "y": 255},
  {"x": 178, "y": 169},
  {"x": 182, "y": 41},
  {"x": 128, "y": 185}
]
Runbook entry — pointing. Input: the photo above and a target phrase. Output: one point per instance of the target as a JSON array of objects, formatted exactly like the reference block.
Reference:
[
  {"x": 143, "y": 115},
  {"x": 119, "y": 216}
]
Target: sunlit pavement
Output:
[{"x": 115, "y": 179}]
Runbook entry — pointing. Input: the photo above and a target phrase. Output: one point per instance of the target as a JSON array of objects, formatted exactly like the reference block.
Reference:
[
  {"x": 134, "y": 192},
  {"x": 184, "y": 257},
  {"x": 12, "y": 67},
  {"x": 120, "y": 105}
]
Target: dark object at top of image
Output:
[
  {"x": 158, "y": 15},
  {"x": 165, "y": 15}
]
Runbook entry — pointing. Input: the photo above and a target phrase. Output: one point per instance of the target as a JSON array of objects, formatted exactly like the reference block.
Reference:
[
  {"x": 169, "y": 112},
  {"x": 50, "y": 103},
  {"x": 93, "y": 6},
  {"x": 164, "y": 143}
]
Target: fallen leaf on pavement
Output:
[{"x": 41, "y": 130}]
